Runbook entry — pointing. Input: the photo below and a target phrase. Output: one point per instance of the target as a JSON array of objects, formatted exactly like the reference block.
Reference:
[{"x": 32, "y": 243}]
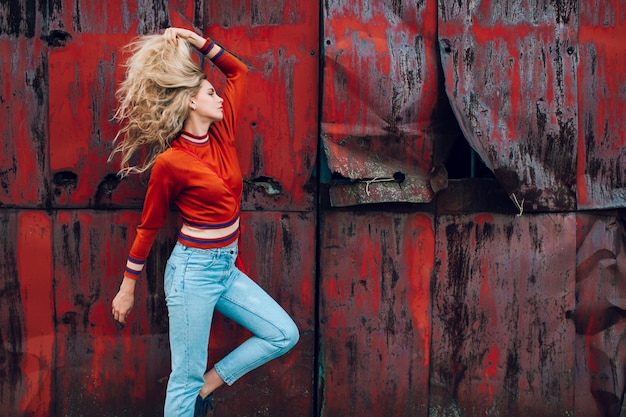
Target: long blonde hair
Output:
[{"x": 153, "y": 100}]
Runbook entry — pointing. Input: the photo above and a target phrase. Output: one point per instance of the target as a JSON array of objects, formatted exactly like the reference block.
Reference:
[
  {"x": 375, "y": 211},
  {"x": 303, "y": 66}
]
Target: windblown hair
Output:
[{"x": 153, "y": 100}]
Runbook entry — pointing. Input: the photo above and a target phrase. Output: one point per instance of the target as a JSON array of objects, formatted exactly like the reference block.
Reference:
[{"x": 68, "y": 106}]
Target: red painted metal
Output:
[
  {"x": 82, "y": 100},
  {"x": 277, "y": 140},
  {"x": 601, "y": 170},
  {"x": 82, "y": 363},
  {"x": 511, "y": 76},
  {"x": 100, "y": 365},
  {"x": 23, "y": 128},
  {"x": 26, "y": 309},
  {"x": 277, "y": 136},
  {"x": 420, "y": 314},
  {"x": 502, "y": 341},
  {"x": 384, "y": 117},
  {"x": 375, "y": 322},
  {"x": 34, "y": 261}
]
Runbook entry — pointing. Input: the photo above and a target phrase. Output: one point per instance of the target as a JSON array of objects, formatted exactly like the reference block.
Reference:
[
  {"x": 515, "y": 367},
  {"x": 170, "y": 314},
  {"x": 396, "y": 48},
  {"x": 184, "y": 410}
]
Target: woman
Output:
[{"x": 167, "y": 105}]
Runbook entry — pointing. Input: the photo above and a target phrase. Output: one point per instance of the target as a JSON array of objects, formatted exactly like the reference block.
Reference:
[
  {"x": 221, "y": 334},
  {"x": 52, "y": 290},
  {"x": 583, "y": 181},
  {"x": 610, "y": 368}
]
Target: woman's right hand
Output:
[{"x": 124, "y": 300}]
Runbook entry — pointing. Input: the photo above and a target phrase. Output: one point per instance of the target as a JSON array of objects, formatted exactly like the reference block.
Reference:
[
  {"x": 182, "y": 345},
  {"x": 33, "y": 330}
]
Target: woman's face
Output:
[{"x": 208, "y": 104}]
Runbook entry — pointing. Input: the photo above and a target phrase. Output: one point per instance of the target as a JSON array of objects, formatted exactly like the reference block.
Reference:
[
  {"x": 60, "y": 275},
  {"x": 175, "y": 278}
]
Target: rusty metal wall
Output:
[
  {"x": 375, "y": 313},
  {"x": 510, "y": 70},
  {"x": 416, "y": 294},
  {"x": 525, "y": 295},
  {"x": 502, "y": 341},
  {"x": 385, "y": 122},
  {"x": 602, "y": 92}
]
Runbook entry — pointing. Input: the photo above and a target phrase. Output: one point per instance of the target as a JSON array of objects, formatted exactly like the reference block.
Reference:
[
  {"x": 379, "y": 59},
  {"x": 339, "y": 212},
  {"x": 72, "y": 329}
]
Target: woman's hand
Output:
[
  {"x": 124, "y": 300},
  {"x": 173, "y": 34}
]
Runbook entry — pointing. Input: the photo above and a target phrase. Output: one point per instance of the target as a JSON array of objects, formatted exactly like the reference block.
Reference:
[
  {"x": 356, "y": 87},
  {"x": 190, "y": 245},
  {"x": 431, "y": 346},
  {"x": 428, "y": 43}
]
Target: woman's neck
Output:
[{"x": 195, "y": 132}]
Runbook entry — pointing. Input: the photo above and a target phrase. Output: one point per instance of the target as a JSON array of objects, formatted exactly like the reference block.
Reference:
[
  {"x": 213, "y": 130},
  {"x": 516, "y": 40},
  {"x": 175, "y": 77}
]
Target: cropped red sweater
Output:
[{"x": 207, "y": 193}]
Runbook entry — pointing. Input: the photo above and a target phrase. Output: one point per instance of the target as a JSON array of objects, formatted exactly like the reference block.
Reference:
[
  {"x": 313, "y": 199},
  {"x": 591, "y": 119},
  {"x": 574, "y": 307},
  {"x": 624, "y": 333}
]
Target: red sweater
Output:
[{"x": 208, "y": 199}]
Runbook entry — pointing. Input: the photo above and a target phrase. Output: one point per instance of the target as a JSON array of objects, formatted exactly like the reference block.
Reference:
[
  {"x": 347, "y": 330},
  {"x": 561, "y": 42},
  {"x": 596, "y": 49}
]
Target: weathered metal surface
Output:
[
  {"x": 601, "y": 105},
  {"x": 81, "y": 131},
  {"x": 82, "y": 363},
  {"x": 375, "y": 273},
  {"x": 599, "y": 314},
  {"x": 502, "y": 341},
  {"x": 26, "y": 313},
  {"x": 276, "y": 143},
  {"x": 34, "y": 261},
  {"x": 82, "y": 101},
  {"x": 100, "y": 365},
  {"x": 23, "y": 107},
  {"x": 485, "y": 314},
  {"x": 511, "y": 76},
  {"x": 277, "y": 136},
  {"x": 384, "y": 116}
]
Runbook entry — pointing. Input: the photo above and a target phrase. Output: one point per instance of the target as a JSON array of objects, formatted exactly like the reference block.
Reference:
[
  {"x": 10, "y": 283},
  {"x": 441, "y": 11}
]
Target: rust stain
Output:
[
  {"x": 512, "y": 82},
  {"x": 382, "y": 97}
]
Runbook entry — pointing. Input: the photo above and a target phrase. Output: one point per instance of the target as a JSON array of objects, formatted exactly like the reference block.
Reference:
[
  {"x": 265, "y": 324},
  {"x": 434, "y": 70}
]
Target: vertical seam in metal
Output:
[{"x": 317, "y": 363}]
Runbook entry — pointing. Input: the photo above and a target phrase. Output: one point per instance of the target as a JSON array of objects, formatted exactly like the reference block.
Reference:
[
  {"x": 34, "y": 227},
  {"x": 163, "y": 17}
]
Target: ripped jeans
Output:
[{"x": 197, "y": 282}]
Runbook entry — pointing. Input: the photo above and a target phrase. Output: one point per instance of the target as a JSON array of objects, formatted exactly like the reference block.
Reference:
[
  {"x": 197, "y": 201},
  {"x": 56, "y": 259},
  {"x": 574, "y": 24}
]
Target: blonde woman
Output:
[{"x": 167, "y": 106}]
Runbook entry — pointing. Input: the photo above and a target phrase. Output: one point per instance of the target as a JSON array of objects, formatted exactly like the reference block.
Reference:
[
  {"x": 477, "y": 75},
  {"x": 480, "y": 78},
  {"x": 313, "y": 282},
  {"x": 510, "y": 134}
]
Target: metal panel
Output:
[
  {"x": 81, "y": 131},
  {"x": 27, "y": 310},
  {"x": 599, "y": 314},
  {"x": 278, "y": 252},
  {"x": 128, "y": 17},
  {"x": 34, "y": 266},
  {"x": 602, "y": 98},
  {"x": 510, "y": 70},
  {"x": 386, "y": 127},
  {"x": 23, "y": 106},
  {"x": 277, "y": 136},
  {"x": 99, "y": 364},
  {"x": 82, "y": 100},
  {"x": 502, "y": 341},
  {"x": 375, "y": 272}
]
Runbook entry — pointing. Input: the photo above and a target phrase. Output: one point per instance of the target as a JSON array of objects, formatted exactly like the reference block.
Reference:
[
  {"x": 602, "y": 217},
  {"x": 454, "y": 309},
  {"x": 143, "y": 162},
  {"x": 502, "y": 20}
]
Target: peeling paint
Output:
[
  {"x": 511, "y": 76},
  {"x": 382, "y": 97}
]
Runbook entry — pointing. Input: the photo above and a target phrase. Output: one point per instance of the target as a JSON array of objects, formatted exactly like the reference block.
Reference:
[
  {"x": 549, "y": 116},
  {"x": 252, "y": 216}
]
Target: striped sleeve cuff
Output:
[
  {"x": 217, "y": 55},
  {"x": 211, "y": 50},
  {"x": 208, "y": 45},
  {"x": 134, "y": 267}
]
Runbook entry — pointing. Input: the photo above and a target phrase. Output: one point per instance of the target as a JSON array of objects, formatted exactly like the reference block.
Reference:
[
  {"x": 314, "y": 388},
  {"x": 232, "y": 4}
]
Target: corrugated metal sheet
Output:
[
  {"x": 601, "y": 170},
  {"x": 418, "y": 310},
  {"x": 278, "y": 128},
  {"x": 511, "y": 76},
  {"x": 502, "y": 341},
  {"x": 384, "y": 118},
  {"x": 23, "y": 109},
  {"x": 375, "y": 315}
]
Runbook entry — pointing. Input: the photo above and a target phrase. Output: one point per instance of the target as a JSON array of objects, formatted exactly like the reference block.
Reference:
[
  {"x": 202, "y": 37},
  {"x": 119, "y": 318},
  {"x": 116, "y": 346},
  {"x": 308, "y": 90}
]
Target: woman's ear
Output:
[{"x": 192, "y": 104}]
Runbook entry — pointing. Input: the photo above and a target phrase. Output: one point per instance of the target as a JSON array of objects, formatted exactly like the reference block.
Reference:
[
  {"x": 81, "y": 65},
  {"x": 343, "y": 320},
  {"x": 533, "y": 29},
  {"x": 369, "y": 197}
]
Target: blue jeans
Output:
[{"x": 197, "y": 282}]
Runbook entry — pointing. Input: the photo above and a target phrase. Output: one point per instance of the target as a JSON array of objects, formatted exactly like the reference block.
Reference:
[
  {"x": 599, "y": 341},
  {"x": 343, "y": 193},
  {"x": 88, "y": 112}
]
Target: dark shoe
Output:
[{"x": 203, "y": 405}]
